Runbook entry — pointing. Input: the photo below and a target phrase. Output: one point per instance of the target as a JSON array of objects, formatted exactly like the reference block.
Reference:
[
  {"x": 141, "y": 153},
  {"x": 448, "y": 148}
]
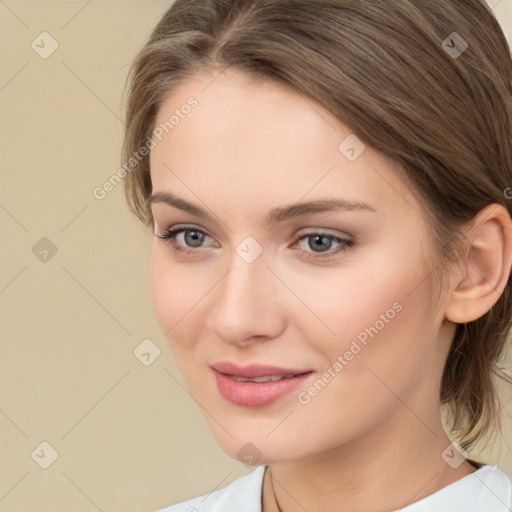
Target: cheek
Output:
[
  {"x": 173, "y": 291},
  {"x": 163, "y": 290},
  {"x": 371, "y": 360},
  {"x": 384, "y": 339},
  {"x": 179, "y": 294},
  {"x": 375, "y": 314}
]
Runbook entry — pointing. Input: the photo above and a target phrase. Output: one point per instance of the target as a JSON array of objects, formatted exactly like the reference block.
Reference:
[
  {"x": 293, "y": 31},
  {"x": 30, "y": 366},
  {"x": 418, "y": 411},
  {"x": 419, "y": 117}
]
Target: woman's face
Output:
[{"x": 271, "y": 273}]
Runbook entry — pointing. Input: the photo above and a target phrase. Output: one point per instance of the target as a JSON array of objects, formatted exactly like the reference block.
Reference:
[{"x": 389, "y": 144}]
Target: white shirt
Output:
[{"x": 488, "y": 489}]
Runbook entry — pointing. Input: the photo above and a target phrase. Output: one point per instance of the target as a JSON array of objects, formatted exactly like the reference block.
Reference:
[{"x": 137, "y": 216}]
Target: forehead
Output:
[
  {"x": 265, "y": 144},
  {"x": 243, "y": 113}
]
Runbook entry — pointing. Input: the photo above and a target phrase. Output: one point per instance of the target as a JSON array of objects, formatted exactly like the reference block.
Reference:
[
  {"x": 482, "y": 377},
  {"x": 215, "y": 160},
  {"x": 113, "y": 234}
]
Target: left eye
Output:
[{"x": 321, "y": 243}]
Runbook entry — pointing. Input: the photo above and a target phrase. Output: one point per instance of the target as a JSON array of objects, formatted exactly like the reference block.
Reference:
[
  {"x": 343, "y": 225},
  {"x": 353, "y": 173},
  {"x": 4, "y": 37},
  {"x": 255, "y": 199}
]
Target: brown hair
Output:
[{"x": 398, "y": 76}]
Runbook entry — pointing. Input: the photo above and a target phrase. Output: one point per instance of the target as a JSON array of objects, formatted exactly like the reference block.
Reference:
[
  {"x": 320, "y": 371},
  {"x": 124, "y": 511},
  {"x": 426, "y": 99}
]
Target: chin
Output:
[{"x": 256, "y": 450}]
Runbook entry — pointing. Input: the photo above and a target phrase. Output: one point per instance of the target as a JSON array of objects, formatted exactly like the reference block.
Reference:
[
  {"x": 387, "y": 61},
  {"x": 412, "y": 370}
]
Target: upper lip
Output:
[{"x": 254, "y": 370}]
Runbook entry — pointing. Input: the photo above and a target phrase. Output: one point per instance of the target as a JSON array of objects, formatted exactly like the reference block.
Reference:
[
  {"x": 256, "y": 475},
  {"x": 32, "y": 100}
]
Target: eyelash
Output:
[{"x": 169, "y": 235}]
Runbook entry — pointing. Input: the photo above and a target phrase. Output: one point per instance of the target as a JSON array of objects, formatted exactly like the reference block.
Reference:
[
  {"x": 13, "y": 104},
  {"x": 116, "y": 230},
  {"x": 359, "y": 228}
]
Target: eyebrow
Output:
[{"x": 276, "y": 215}]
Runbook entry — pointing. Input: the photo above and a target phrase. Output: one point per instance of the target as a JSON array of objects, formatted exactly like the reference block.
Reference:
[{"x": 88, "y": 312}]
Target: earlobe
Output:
[{"x": 485, "y": 268}]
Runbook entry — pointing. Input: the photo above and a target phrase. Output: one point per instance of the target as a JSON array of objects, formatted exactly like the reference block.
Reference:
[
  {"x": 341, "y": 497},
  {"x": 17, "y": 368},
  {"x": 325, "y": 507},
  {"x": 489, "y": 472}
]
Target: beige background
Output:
[{"x": 128, "y": 436}]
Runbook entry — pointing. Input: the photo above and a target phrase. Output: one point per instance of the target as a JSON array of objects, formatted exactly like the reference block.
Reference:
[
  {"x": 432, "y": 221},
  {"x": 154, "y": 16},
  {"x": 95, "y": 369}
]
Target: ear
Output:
[{"x": 485, "y": 268}]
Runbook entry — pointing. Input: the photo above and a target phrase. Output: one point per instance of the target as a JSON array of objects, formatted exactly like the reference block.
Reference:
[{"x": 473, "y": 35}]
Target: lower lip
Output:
[{"x": 256, "y": 394}]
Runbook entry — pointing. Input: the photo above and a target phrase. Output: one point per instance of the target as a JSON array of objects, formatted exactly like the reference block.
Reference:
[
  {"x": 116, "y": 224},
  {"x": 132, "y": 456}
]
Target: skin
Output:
[{"x": 372, "y": 439}]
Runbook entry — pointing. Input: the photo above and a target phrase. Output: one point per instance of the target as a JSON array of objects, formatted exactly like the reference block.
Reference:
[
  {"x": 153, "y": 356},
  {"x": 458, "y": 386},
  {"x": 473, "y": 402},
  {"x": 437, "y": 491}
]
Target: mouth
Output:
[
  {"x": 266, "y": 378},
  {"x": 255, "y": 371},
  {"x": 256, "y": 385}
]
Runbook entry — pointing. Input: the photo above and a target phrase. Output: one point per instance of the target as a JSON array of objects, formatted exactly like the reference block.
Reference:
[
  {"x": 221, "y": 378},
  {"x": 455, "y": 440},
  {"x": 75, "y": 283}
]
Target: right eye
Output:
[{"x": 185, "y": 238}]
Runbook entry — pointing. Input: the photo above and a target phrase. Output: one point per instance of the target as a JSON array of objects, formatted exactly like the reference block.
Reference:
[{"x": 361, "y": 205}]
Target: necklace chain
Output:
[{"x": 273, "y": 490}]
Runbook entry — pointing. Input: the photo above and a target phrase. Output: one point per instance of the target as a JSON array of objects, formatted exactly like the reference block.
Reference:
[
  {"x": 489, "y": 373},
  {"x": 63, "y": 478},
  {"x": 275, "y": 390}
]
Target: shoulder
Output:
[
  {"x": 495, "y": 482},
  {"x": 241, "y": 495},
  {"x": 488, "y": 489}
]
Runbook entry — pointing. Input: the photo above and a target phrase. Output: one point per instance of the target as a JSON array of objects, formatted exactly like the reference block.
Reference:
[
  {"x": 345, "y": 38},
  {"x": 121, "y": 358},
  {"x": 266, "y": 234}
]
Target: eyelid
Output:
[
  {"x": 345, "y": 244},
  {"x": 321, "y": 231},
  {"x": 346, "y": 241},
  {"x": 177, "y": 229}
]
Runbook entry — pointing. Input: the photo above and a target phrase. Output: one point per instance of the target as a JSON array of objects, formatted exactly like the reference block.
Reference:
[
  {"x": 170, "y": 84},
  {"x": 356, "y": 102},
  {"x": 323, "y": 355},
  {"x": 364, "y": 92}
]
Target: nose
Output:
[{"x": 246, "y": 303}]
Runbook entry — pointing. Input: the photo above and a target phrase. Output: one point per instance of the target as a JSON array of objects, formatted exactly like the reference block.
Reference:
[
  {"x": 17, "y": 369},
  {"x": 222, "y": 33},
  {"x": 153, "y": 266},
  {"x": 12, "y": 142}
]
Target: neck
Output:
[{"x": 390, "y": 467}]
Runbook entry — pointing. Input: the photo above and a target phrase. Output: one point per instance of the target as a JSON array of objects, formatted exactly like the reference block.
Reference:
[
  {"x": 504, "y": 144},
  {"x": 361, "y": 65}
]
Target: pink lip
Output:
[
  {"x": 256, "y": 394},
  {"x": 254, "y": 370}
]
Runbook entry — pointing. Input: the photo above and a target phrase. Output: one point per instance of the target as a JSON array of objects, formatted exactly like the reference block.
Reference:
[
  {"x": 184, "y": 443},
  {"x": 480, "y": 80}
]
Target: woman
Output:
[{"x": 328, "y": 184}]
